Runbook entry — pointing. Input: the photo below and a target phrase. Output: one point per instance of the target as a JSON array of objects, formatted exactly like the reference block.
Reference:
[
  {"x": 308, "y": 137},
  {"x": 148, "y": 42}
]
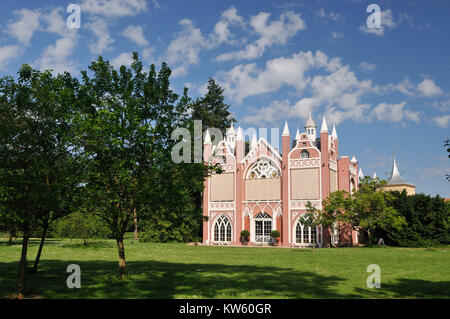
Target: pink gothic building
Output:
[{"x": 263, "y": 190}]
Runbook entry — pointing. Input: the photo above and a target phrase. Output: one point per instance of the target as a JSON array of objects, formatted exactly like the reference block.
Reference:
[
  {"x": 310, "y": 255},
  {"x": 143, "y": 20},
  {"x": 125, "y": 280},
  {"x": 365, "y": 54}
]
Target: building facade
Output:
[{"x": 262, "y": 190}]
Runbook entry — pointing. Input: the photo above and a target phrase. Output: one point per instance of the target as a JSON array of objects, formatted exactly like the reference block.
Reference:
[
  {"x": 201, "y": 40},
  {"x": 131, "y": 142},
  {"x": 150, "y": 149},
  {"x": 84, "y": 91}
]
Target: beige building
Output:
[{"x": 397, "y": 183}]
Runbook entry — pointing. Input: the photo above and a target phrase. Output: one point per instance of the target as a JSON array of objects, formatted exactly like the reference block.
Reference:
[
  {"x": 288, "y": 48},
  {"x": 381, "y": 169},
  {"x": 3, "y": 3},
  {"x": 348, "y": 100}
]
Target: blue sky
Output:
[{"x": 385, "y": 89}]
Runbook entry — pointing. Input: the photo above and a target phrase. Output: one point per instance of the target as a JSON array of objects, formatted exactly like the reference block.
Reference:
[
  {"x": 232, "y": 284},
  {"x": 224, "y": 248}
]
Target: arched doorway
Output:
[
  {"x": 305, "y": 235},
  {"x": 222, "y": 230},
  {"x": 263, "y": 227}
]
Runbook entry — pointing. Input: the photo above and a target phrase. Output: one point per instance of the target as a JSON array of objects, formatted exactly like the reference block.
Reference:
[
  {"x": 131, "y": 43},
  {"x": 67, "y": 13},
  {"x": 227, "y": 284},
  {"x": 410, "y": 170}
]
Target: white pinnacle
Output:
[
  {"x": 354, "y": 160},
  {"x": 207, "y": 138},
  {"x": 230, "y": 130},
  {"x": 254, "y": 141},
  {"x": 374, "y": 175},
  {"x": 324, "y": 127},
  {"x": 286, "y": 130},
  {"x": 360, "y": 174},
  {"x": 333, "y": 133},
  {"x": 239, "y": 136},
  {"x": 297, "y": 135}
]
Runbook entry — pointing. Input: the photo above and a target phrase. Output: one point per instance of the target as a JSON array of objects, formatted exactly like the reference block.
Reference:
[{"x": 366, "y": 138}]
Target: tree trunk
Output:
[
  {"x": 122, "y": 263},
  {"x": 314, "y": 242},
  {"x": 41, "y": 245},
  {"x": 10, "y": 238},
  {"x": 23, "y": 266},
  {"x": 135, "y": 225}
]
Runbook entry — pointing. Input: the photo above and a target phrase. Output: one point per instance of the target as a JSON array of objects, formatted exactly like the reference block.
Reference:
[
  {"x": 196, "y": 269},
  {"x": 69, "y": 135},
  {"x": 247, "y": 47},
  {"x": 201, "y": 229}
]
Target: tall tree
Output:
[
  {"x": 369, "y": 209},
  {"x": 33, "y": 150},
  {"x": 211, "y": 109},
  {"x": 124, "y": 132}
]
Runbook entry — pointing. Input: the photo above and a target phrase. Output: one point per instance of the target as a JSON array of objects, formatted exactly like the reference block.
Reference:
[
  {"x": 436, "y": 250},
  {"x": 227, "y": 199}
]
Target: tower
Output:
[
  {"x": 285, "y": 149},
  {"x": 231, "y": 136},
  {"x": 310, "y": 128},
  {"x": 396, "y": 182}
]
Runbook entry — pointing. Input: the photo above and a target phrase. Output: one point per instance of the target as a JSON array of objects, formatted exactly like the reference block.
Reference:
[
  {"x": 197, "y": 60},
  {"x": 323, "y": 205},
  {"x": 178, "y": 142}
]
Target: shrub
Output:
[
  {"x": 245, "y": 233},
  {"x": 427, "y": 221},
  {"x": 274, "y": 234},
  {"x": 82, "y": 226}
]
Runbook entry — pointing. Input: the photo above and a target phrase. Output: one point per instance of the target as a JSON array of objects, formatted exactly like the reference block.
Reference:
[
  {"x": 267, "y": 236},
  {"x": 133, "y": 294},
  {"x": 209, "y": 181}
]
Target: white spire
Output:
[
  {"x": 354, "y": 160},
  {"x": 360, "y": 174},
  {"x": 286, "y": 130},
  {"x": 324, "y": 127},
  {"x": 254, "y": 141},
  {"x": 396, "y": 178},
  {"x": 374, "y": 175},
  {"x": 395, "y": 171},
  {"x": 207, "y": 138},
  {"x": 240, "y": 135},
  {"x": 230, "y": 130},
  {"x": 297, "y": 135},
  {"x": 310, "y": 122},
  {"x": 333, "y": 133}
]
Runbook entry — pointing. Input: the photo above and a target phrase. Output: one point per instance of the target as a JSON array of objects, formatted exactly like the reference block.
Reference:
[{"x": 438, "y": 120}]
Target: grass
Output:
[{"x": 177, "y": 270}]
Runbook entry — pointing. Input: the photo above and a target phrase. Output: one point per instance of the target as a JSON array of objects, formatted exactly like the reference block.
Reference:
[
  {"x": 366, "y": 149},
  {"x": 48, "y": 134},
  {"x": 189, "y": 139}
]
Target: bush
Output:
[
  {"x": 171, "y": 227},
  {"x": 274, "y": 234},
  {"x": 245, "y": 233},
  {"x": 82, "y": 226},
  {"x": 427, "y": 221}
]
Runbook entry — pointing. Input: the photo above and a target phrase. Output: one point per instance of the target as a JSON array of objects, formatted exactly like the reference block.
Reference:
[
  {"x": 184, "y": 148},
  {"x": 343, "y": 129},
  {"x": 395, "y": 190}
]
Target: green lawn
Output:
[{"x": 182, "y": 271}]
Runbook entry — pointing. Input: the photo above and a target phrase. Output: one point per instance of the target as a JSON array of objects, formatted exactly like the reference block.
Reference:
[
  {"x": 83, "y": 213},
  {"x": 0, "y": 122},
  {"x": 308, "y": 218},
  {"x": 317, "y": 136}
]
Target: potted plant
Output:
[
  {"x": 274, "y": 234},
  {"x": 244, "y": 236}
]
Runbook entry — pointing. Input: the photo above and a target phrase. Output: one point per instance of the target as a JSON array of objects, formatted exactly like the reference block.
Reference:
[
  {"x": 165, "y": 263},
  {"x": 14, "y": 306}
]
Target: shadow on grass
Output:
[
  {"x": 154, "y": 279},
  {"x": 411, "y": 288}
]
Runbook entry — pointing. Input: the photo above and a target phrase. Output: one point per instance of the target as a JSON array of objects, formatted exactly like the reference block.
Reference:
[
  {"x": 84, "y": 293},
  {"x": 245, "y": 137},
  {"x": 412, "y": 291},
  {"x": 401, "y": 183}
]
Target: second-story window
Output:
[{"x": 304, "y": 154}]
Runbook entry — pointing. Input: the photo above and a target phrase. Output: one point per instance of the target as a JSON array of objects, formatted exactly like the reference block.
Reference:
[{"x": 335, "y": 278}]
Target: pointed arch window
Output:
[
  {"x": 305, "y": 235},
  {"x": 222, "y": 229}
]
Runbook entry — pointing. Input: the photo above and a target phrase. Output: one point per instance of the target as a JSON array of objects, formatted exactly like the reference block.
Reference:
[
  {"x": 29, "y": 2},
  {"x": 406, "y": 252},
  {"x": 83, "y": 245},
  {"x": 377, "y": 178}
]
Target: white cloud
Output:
[
  {"x": 442, "y": 121},
  {"x": 406, "y": 87},
  {"x": 433, "y": 171},
  {"x": 9, "y": 52},
  {"x": 275, "y": 112},
  {"x": 270, "y": 33},
  {"x": 55, "y": 22},
  {"x": 246, "y": 80},
  {"x": 135, "y": 34},
  {"x": 114, "y": 8},
  {"x": 125, "y": 58},
  {"x": 103, "y": 39},
  {"x": 366, "y": 66},
  {"x": 387, "y": 22},
  {"x": 394, "y": 113},
  {"x": 56, "y": 57},
  {"x": 185, "y": 48},
  {"x": 222, "y": 33},
  {"x": 320, "y": 81},
  {"x": 329, "y": 16},
  {"x": 24, "y": 27},
  {"x": 336, "y": 34},
  {"x": 428, "y": 88}
]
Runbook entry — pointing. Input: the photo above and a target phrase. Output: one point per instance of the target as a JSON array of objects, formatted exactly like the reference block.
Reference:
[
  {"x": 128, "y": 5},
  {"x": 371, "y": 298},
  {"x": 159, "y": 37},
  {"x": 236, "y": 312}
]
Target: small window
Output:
[
  {"x": 304, "y": 143},
  {"x": 304, "y": 154}
]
